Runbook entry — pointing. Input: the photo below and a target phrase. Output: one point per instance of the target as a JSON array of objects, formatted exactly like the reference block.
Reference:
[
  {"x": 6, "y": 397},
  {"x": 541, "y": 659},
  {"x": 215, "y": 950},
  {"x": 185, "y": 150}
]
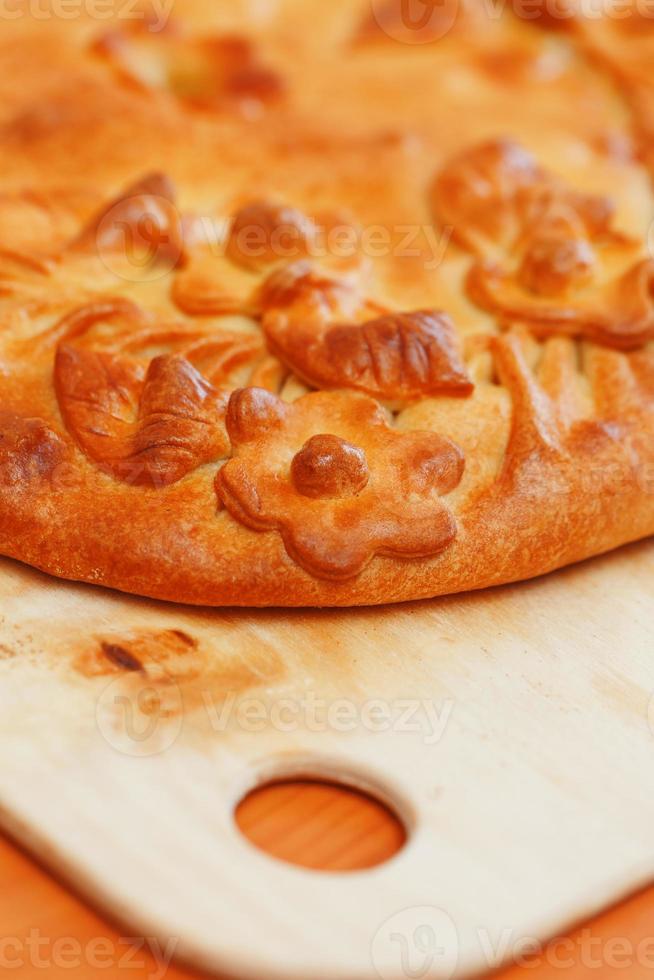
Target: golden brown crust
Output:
[
  {"x": 619, "y": 37},
  {"x": 378, "y": 332}
]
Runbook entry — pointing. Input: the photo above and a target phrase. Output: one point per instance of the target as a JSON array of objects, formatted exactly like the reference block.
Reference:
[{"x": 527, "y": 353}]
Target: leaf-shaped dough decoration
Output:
[
  {"x": 320, "y": 327},
  {"x": 398, "y": 357},
  {"x": 146, "y": 427}
]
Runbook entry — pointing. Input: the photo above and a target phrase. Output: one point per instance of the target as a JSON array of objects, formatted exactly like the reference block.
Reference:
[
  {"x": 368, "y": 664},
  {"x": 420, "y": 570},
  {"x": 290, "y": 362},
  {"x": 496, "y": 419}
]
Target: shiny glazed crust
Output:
[{"x": 309, "y": 309}]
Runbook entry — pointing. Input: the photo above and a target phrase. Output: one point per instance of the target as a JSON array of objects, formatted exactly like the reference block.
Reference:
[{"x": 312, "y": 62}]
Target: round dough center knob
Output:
[
  {"x": 551, "y": 267},
  {"x": 328, "y": 466}
]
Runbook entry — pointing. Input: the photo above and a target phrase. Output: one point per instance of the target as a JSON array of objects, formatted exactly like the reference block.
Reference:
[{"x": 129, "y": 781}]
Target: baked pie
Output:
[{"x": 325, "y": 304}]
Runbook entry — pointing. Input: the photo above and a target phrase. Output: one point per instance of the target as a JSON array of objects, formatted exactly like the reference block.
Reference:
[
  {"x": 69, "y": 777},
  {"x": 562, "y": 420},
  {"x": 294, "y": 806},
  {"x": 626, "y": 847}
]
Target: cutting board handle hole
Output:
[{"x": 319, "y": 824}]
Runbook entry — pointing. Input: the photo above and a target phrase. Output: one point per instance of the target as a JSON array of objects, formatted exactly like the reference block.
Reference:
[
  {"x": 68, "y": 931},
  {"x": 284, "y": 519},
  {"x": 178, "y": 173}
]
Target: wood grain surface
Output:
[
  {"x": 528, "y": 798},
  {"x": 285, "y": 819}
]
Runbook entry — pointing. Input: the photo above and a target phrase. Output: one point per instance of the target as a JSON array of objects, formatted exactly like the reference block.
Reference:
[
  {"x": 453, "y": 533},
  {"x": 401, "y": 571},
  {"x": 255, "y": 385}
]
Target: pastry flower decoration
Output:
[
  {"x": 339, "y": 484},
  {"x": 546, "y": 254}
]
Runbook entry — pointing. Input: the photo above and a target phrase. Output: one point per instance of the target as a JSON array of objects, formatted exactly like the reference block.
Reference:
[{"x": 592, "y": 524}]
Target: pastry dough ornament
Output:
[
  {"x": 264, "y": 236},
  {"x": 205, "y": 73},
  {"x": 262, "y": 233},
  {"x": 321, "y": 328},
  {"x": 138, "y": 235},
  {"x": 145, "y": 427},
  {"x": 545, "y": 254},
  {"x": 142, "y": 218},
  {"x": 148, "y": 421},
  {"x": 336, "y": 480}
]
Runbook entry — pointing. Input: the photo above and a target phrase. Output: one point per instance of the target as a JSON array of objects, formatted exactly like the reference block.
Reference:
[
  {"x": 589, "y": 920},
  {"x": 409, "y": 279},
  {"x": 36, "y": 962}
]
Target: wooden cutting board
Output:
[{"x": 513, "y": 731}]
